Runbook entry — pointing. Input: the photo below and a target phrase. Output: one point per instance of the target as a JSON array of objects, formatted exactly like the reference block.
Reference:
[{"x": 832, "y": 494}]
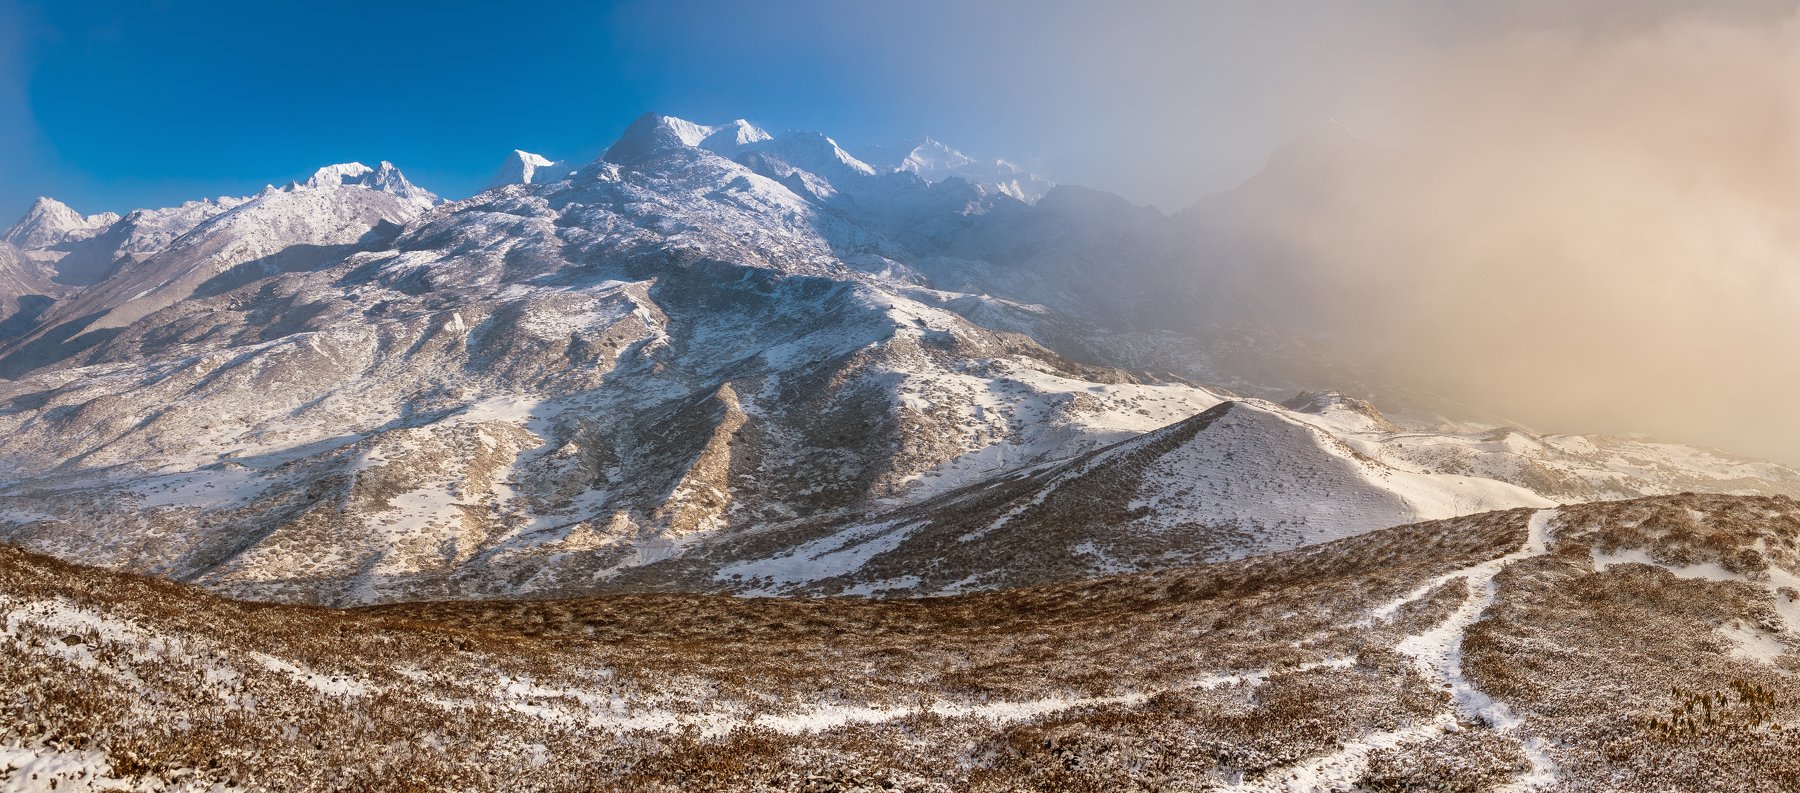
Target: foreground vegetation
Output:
[{"x": 1633, "y": 645}]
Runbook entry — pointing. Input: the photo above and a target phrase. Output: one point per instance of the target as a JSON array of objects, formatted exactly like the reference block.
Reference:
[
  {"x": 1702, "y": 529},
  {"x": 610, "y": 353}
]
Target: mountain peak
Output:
[
  {"x": 522, "y": 167},
  {"x": 50, "y": 221},
  {"x": 347, "y": 173},
  {"x": 814, "y": 152},
  {"x": 934, "y": 161},
  {"x": 383, "y": 178},
  {"x": 47, "y": 204},
  {"x": 727, "y": 138},
  {"x": 932, "y": 155},
  {"x": 654, "y": 133}
]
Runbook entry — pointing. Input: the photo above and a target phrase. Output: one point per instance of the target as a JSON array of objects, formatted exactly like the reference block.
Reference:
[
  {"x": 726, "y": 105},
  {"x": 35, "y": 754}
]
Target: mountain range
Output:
[
  {"x": 715, "y": 359},
  {"x": 344, "y": 452}
]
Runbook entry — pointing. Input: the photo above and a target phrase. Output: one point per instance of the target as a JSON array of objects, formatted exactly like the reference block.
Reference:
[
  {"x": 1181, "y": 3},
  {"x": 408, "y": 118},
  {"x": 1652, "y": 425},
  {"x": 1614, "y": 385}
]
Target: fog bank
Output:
[{"x": 1593, "y": 226}]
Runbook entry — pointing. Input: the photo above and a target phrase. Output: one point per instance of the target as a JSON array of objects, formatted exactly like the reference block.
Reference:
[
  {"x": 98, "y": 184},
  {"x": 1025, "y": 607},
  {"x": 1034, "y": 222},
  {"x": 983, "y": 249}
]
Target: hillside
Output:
[
  {"x": 1638, "y": 645},
  {"x": 708, "y": 360},
  {"x": 1243, "y": 478}
]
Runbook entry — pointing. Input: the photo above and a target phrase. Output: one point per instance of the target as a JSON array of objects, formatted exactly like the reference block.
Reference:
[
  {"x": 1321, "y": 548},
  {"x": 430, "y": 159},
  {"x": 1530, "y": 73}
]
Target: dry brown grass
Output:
[{"x": 171, "y": 681}]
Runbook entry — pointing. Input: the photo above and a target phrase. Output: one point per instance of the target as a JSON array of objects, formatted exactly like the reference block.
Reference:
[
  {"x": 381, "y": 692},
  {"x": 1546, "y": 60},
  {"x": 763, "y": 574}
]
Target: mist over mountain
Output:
[
  {"x": 1274, "y": 397},
  {"x": 723, "y": 359},
  {"x": 1582, "y": 230},
  {"x": 1631, "y": 158}
]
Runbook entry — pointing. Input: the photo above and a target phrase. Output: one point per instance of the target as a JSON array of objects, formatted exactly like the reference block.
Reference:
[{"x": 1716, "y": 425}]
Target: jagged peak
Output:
[
  {"x": 931, "y": 153},
  {"x": 383, "y": 178},
  {"x": 813, "y": 151},
  {"x": 347, "y": 173},
  {"x": 651, "y": 134},
  {"x": 727, "y": 138},
  {"x": 654, "y": 133},
  {"x": 524, "y": 167},
  {"x": 689, "y": 133},
  {"x": 934, "y": 161},
  {"x": 50, "y": 221}
]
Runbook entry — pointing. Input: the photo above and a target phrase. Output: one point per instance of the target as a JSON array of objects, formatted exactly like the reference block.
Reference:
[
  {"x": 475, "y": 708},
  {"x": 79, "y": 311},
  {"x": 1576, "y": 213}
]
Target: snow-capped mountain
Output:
[
  {"x": 523, "y": 167},
  {"x": 50, "y": 222},
  {"x": 384, "y": 178},
  {"x": 713, "y": 358},
  {"x": 151, "y": 260},
  {"x": 934, "y": 161}
]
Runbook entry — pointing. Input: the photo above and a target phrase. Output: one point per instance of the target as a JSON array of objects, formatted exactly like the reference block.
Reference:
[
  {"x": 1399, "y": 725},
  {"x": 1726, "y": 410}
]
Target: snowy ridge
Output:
[
  {"x": 1239, "y": 479},
  {"x": 933, "y": 161},
  {"x": 49, "y": 222},
  {"x": 383, "y": 178},
  {"x": 714, "y": 359}
]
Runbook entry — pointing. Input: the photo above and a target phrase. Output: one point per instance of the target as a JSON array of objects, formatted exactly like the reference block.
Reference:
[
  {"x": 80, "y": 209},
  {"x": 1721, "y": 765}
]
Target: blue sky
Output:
[
  {"x": 114, "y": 105},
  {"x": 118, "y": 105}
]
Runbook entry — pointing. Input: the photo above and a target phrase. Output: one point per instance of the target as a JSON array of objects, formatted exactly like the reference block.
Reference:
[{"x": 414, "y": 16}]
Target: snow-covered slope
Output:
[
  {"x": 142, "y": 233},
  {"x": 1636, "y": 646},
  {"x": 1242, "y": 478},
  {"x": 339, "y": 210},
  {"x": 709, "y": 350},
  {"x": 548, "y": 396},
  {"x": 1568, "y": 468},
  {"x": 25, "y": 288}
]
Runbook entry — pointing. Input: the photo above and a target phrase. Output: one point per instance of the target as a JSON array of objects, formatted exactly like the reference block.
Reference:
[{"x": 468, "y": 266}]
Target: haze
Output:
[
  {"x": 1586, "y": 227},
  {"x": 1586, "y": 219}
]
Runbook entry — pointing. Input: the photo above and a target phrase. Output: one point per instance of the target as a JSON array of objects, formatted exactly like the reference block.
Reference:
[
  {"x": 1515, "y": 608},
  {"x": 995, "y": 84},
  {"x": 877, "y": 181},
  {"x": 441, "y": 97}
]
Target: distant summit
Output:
[
  {"x": 50, "y": 221},
  {"x": 523, "y": 167},
  {"x": 383, "y": 178},
  {"x": 654, "y": 133},
  {"x": 811, "y": 156},
  {"x": 934, "y": 161}
]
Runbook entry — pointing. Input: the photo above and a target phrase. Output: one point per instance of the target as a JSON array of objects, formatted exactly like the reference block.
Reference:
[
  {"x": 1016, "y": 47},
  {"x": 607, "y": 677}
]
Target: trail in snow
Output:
[
  {"x": 1437, "y": 655},
  {"x": 827, "y": 717},
  {"x": 598, "y": 709}
]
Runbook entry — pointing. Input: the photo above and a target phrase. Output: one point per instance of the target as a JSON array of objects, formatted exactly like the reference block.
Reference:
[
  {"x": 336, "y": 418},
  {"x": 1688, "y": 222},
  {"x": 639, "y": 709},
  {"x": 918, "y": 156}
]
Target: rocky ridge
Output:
[{"x": 710, "y": 359}]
